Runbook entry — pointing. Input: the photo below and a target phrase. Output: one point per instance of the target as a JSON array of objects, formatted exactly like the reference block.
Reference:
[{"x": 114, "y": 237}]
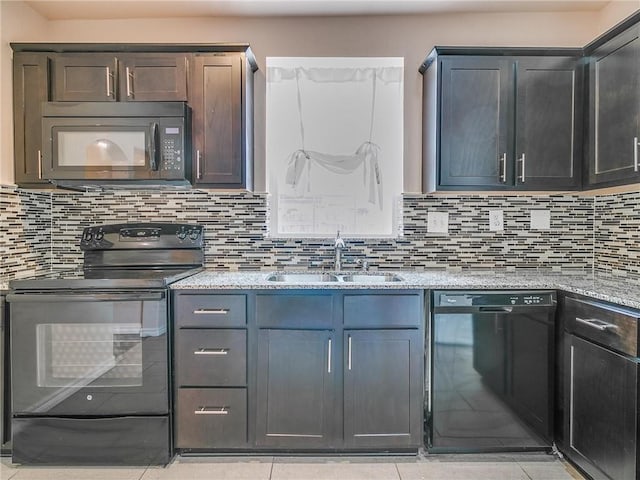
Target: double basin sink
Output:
[{"x": 304, "y": 277}]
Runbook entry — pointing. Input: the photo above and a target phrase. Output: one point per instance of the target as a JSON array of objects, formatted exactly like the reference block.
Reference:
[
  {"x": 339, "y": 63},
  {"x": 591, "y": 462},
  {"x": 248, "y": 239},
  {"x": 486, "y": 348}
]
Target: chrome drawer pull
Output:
[
  {"x": 597, "y": 324},
  {"x": 212, "y": 411},
  {"x": 211, "y": 351},
  {"x": 211, "y": 311}
]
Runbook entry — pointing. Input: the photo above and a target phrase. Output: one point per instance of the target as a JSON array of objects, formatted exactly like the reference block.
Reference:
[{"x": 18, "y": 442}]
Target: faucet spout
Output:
[{"x": 339, "y": 245}]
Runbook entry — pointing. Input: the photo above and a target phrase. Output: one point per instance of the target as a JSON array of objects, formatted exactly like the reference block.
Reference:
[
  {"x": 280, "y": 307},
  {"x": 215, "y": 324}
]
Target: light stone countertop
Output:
[{"x": 619, "y": 290}]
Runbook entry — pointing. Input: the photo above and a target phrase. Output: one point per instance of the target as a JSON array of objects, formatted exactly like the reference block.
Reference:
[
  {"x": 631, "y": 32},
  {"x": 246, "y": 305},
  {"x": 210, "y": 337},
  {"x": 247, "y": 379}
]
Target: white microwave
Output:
[{"x": 116, "y": 143}]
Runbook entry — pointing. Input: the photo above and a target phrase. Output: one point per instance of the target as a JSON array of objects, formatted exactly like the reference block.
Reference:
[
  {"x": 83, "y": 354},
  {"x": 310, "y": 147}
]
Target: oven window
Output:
[
  {"x": 104, "y": 148},
  {"x": 81, "y": 354}
]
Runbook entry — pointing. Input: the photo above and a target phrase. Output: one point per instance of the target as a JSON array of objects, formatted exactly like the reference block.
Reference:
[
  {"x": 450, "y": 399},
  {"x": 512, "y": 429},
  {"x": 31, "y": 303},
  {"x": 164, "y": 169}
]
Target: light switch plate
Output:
[
  {"x": 540, "y": 220},
  {"x": 496, "y": 220},
  {"x": 437, "y": 222}
]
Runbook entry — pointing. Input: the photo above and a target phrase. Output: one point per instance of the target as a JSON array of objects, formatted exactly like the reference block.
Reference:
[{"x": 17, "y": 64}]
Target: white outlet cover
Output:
[
  {"x": 496, "y": 220},
  {"x": 437, "y": 222},
  {"x": 540, "y": 220}
]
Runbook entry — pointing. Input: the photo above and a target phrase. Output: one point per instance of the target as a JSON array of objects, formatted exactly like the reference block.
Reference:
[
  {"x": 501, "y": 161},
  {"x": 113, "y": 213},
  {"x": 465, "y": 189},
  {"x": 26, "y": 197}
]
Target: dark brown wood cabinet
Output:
[
  {"x": 108, "y": 77},
  {"x": 502, "y": 120},
  {"x": 215, "y": 80},
  {"x": 614, "y": 110},
  {"x": 222, "y": 120},
  {"x": 30, "y": 89},
  {"x": 210, "y": 371}
]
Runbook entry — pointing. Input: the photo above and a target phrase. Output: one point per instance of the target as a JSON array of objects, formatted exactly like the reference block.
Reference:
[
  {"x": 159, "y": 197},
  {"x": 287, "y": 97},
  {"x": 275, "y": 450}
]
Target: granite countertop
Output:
[{"x": 619, "y": 290}]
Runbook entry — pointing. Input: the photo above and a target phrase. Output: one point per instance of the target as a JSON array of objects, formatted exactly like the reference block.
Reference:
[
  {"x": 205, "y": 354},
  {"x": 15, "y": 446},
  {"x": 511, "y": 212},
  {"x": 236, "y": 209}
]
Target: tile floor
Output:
[{"x": 421, "y": 467}]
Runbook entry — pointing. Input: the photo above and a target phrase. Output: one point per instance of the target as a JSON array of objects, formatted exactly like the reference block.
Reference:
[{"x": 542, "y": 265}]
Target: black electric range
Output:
[{"x": 90, "y": 360}]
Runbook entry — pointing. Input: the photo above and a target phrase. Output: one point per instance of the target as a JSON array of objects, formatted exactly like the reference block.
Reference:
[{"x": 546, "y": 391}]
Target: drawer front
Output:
[
  {"x": 211, "y": 311},
  {"x": 382, "y": 310},
  {"x": 211, "y": 418},
  {"x": 295, "y": 311},
  {"x": 211, "y": 358},
  {"x": 612, "y": 327}
]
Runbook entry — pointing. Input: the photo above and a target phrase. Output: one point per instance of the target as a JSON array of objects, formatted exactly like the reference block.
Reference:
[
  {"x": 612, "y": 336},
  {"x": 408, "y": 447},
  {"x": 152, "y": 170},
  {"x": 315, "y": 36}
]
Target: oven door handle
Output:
[{"x": 96, "y": 297}]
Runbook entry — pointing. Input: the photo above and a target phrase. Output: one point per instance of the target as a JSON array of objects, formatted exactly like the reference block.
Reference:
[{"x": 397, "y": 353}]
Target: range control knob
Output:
[
  {"x": 88, "y": 235},
  {"x": 181, "y": 234},
  {"x": 194, "y": 235},
  {"x": 99, "y": 235}
]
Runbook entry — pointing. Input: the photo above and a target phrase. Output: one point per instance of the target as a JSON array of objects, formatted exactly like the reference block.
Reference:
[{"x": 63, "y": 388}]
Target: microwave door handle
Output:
[{"x": 154, "y": 150}]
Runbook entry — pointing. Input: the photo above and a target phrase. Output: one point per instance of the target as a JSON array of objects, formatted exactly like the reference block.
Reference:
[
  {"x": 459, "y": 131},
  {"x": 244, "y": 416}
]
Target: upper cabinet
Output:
[
  {"x": 216, "y": 81},
  {"x": 497, "y": 120},
  {"x": 30, "y": 89},
  {"x": 105, "y": 77},
  {"x": 220, "y": 99},
  {"x": 614, "y": 110}
]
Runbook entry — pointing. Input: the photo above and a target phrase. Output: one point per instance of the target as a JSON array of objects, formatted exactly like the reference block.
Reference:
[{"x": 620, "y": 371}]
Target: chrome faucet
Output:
[{"x": 338, "y": 246}]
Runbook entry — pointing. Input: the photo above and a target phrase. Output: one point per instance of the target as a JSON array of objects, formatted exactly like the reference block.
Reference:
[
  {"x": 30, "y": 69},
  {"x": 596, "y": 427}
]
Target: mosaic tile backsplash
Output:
[
  {"x": 617, "y": 234},
  {"x": 235, "y": 229}
]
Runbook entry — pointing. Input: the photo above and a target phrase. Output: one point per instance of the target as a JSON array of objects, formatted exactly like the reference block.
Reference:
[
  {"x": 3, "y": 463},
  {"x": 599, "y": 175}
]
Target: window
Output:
[{"x": 334, "y": 146}]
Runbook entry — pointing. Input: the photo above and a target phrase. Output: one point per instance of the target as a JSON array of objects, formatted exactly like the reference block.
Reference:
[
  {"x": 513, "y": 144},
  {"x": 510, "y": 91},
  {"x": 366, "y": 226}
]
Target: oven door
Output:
[
  {"x": 82, "y": 354},
  {"x": 100, "y": 148}
]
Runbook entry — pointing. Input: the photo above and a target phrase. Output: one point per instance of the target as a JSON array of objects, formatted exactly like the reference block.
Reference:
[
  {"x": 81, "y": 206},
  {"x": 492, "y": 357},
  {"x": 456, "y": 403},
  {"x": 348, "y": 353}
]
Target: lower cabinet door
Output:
[
  {"x": 382, "y": 388},
  {"x": 295, "y": 395},
  {"x": 602, "y": 420},
  {"x": 211, "y": 418}
]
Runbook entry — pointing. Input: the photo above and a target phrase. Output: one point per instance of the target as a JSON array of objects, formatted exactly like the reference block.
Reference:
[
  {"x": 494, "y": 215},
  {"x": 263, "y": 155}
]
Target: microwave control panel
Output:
[{"x": 172, "y": 149}]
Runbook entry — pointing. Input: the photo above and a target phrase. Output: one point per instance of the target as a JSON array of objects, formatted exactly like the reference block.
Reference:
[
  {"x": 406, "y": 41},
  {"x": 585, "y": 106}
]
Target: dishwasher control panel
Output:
[{"x": 493, "y": 298}]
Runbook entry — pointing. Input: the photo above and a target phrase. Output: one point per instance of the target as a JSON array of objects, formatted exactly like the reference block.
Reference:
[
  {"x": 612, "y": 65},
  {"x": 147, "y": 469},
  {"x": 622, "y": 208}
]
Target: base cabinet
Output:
[
  {"x": 382, "y": 395},
  {"x": 295, "y": 389}
]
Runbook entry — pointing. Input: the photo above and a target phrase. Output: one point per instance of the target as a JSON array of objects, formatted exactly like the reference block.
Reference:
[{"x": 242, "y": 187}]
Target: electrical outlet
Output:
[
  {"x": 540, "y": 220},
  {"x": 437, "y": 222},
  {"x": 496, "y": 220}
]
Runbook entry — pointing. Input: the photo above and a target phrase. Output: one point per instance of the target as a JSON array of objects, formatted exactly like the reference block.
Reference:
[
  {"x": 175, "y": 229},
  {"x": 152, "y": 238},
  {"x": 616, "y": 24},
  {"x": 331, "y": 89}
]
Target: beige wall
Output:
[{"x": 411, "y": 37}]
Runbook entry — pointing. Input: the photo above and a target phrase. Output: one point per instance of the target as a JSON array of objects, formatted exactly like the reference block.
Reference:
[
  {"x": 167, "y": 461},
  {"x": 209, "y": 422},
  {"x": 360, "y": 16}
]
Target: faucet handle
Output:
[
  {"x": 339, "y": 242},
  {"x": 363, "y": 263}
]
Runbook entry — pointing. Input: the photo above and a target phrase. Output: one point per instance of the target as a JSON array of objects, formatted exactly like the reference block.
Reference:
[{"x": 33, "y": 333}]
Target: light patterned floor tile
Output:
[
  {"x": 461, "y": 471},
  {"x": 214, "y": 469},
  {"x": 78, "y": 473},
  {"x": 7, "y": 470},
  {"x": 334, "y": 471},
  {"x": 550, "y": 471}
]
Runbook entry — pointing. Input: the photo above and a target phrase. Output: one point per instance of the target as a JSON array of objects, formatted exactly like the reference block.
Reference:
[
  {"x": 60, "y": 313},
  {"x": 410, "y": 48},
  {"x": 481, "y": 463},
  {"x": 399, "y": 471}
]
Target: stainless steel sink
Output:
[
  {"x": 302, "y": 277},
  {"x": 371, "y": 278}
]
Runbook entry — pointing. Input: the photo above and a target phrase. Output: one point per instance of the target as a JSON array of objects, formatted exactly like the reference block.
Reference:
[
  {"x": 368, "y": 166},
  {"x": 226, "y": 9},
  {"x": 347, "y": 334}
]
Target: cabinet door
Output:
[
  {"x": 382, "y": 388},
  {"x": 153, "y": 77},
  {"x": 602, "y": 394},
  {"x": 84, "y": 77},
  {"x": 217, "y": 120},
  {"x": 476, "y": 122},
  {"x": 614, "y": 110},
  {"x": 30, "y": 80},
  {"x": 548, "y": 123},
  {"x": 295, "y": 388}
]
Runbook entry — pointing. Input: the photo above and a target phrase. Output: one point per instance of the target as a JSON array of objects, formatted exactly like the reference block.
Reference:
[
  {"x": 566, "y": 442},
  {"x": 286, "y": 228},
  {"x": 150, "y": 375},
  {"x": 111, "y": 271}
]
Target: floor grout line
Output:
[
  {"x": 398, "y": 470},
  {"x": 271, "y": 469}
]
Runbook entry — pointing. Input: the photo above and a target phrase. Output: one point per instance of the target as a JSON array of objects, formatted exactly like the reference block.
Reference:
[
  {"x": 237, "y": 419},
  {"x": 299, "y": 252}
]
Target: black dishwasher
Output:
[
  {"x": 601, "y": 388},
  {"x": 492, "y": 356}
]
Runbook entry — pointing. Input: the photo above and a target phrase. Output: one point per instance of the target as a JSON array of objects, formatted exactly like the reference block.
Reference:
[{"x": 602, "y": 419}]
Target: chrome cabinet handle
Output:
[
  {"x": 40, "y": 164},
  {"x": 521, "y": 177},
  {"x": 329, "y": 358},
  {"x": 211, "y": 311},
  {"x": 597, "y": 324},
  {"x": 198, "y": 172},
  {"x": 349, "y": 352},
  {"x": 109, "y": 78},
  {"x": 212, "y": 411},
  {"x": 129, "y": 75},
  {"x": 502, "y": 165},
  {"x": 635, "y": 154},
  {"x": 211, "y": 351}
]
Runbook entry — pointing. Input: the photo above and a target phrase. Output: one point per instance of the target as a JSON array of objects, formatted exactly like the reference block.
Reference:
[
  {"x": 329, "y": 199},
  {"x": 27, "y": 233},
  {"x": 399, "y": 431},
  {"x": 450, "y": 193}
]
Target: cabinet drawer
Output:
[
  {"x": 210, "y": 311},
  {"x": 382, "y": 310},
  {"x": 613, "y": 327},
  {"x": 296, "y": 311},
  {"x": 211, "y": 357},
  {"x": 208, "y": 418}
]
